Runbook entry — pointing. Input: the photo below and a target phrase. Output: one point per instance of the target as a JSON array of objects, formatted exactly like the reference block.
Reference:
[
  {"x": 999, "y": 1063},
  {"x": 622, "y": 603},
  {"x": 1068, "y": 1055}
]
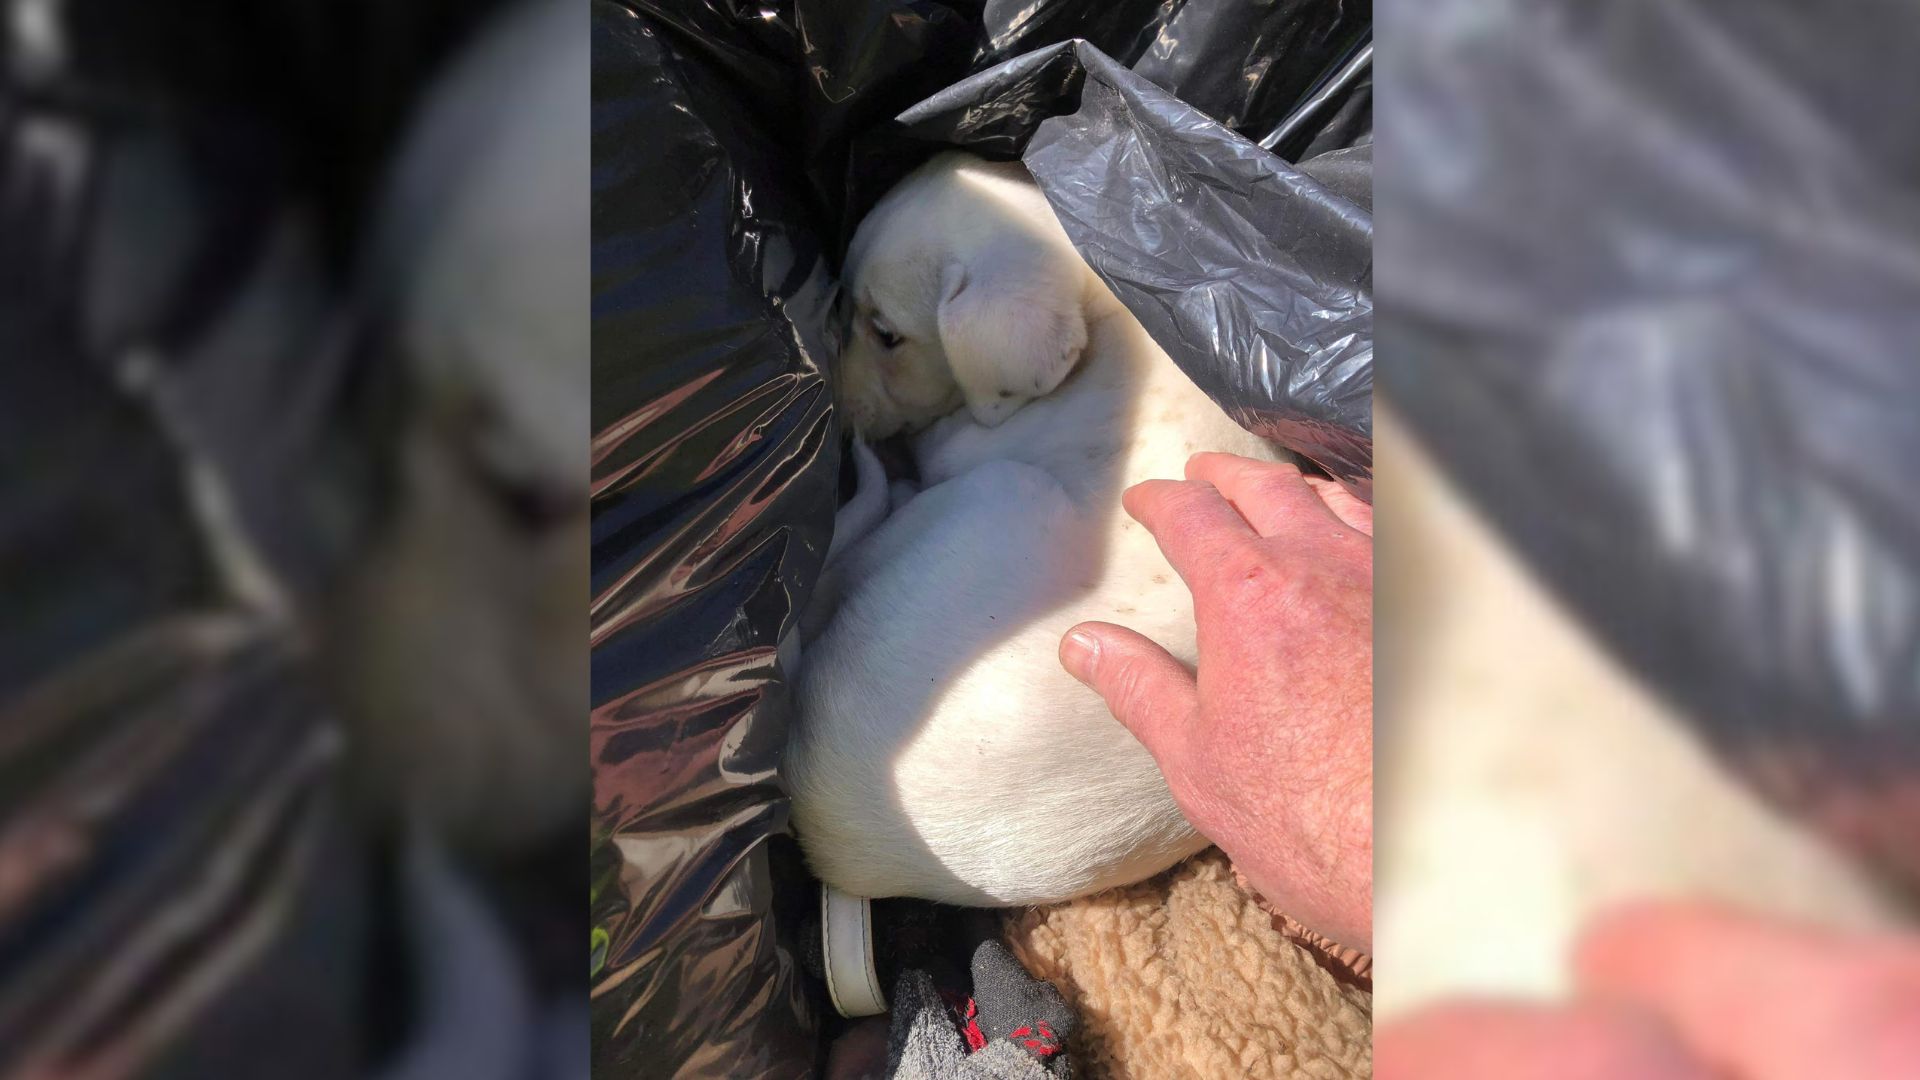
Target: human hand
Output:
[
  {"x": 1687, "y": 992},
  {"x": 1268, "y": 747}
]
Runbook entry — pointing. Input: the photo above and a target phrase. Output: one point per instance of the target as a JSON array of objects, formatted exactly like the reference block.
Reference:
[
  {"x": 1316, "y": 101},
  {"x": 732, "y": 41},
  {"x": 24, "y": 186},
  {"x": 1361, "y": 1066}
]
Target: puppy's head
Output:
[{"x": 955, "y": 299}]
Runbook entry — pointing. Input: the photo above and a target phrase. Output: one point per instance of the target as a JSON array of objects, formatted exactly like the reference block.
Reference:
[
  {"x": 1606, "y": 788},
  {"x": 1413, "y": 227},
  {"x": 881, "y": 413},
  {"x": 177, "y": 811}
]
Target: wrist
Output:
[{"x": 1317, "y": 857}]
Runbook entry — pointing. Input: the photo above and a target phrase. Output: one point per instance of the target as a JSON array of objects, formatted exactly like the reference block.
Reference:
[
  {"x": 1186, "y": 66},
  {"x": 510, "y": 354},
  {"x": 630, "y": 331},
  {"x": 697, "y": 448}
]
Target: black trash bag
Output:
[
  {"x": 181, "y": 192},
  {"x": 1254, "y": 276},
  {"x": 734, "y": 150},
  {"x": 1655, "y": 300},
  {"x": 714, "y": 477}
]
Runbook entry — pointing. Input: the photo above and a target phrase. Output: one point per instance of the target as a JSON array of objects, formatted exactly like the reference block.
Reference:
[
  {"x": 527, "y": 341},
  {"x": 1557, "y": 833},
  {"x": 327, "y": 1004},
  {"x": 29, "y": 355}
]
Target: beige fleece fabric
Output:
[{"x": 1186, "y": 975}]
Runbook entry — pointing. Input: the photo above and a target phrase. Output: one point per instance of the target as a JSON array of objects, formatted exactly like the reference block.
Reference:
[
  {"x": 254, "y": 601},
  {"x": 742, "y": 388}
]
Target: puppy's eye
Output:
[{"x": 888, "y": 339}]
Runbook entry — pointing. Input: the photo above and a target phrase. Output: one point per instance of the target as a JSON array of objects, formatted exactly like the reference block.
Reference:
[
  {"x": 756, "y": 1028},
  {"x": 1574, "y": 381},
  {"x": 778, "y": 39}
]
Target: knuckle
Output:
[
  {"x": 1188, "y": 518},
  {"x": 1284, "y": 485},
  {"x": 1128, "y": 691},
  {"x": 1247, "y": 571}
]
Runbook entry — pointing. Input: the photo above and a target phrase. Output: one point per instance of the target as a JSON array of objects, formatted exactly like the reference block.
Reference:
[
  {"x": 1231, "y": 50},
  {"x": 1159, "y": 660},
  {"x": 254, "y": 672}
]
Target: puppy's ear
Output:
[{"x": 1013, "y": 325}]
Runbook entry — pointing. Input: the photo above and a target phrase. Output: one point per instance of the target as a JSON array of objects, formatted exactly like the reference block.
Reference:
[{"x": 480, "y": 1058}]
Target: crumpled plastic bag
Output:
[
  {"x": 181, "y": 194},
  {"x": 734, "y": 150}
]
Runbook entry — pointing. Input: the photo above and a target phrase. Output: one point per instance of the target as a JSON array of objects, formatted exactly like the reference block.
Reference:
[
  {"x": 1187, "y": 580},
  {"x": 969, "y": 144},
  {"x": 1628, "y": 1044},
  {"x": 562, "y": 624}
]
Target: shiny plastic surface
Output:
[
  {"x": 734, "y": 148},
  {"x": 182, "y": 189},
  {"x": 1653, "y": 295},
  {"x": 1255, "y": 277},
  {"x": 176, "y": 894}
]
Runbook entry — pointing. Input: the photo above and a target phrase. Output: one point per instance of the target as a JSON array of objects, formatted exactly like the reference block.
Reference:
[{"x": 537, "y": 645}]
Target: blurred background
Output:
[
  {"x": 293, "y": 441},
  {"x": 1649, "y": 608}
]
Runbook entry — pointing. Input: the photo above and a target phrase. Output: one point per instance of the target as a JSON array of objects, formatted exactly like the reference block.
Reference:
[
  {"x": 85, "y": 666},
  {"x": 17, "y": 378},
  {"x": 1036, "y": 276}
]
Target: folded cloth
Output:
[
  {"x": 1190, "y": 973},
  {"x": 1344, "y": 962},
  {"x": 1186, "y": 974}
]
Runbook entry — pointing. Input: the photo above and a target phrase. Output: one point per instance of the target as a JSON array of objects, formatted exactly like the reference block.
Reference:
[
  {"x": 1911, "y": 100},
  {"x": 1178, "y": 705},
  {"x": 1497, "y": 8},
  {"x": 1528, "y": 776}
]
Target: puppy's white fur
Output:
[{"x": 941, "y": 750}]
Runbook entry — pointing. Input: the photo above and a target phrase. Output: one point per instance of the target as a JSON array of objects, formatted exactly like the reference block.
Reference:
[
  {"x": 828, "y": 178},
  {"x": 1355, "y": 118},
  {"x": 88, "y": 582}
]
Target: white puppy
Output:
[{"x": 941, "y": 750}]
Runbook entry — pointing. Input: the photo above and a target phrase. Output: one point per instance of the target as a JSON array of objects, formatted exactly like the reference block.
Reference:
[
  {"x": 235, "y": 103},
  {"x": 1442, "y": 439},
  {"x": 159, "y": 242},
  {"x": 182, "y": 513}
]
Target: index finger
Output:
[
  {"x": 1192, "y": 522},
  {"x": 1272, "y": 495},
  {"x": 1760, "y": 998}
]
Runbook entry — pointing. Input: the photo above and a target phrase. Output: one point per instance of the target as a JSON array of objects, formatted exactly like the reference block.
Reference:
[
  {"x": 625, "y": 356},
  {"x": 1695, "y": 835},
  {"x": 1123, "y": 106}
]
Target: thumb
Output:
[{"x": 1144, "y": 687}]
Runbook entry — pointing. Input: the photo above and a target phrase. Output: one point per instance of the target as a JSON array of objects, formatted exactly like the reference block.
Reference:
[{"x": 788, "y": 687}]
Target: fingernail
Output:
[{"x": 1078, "y": 652}]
